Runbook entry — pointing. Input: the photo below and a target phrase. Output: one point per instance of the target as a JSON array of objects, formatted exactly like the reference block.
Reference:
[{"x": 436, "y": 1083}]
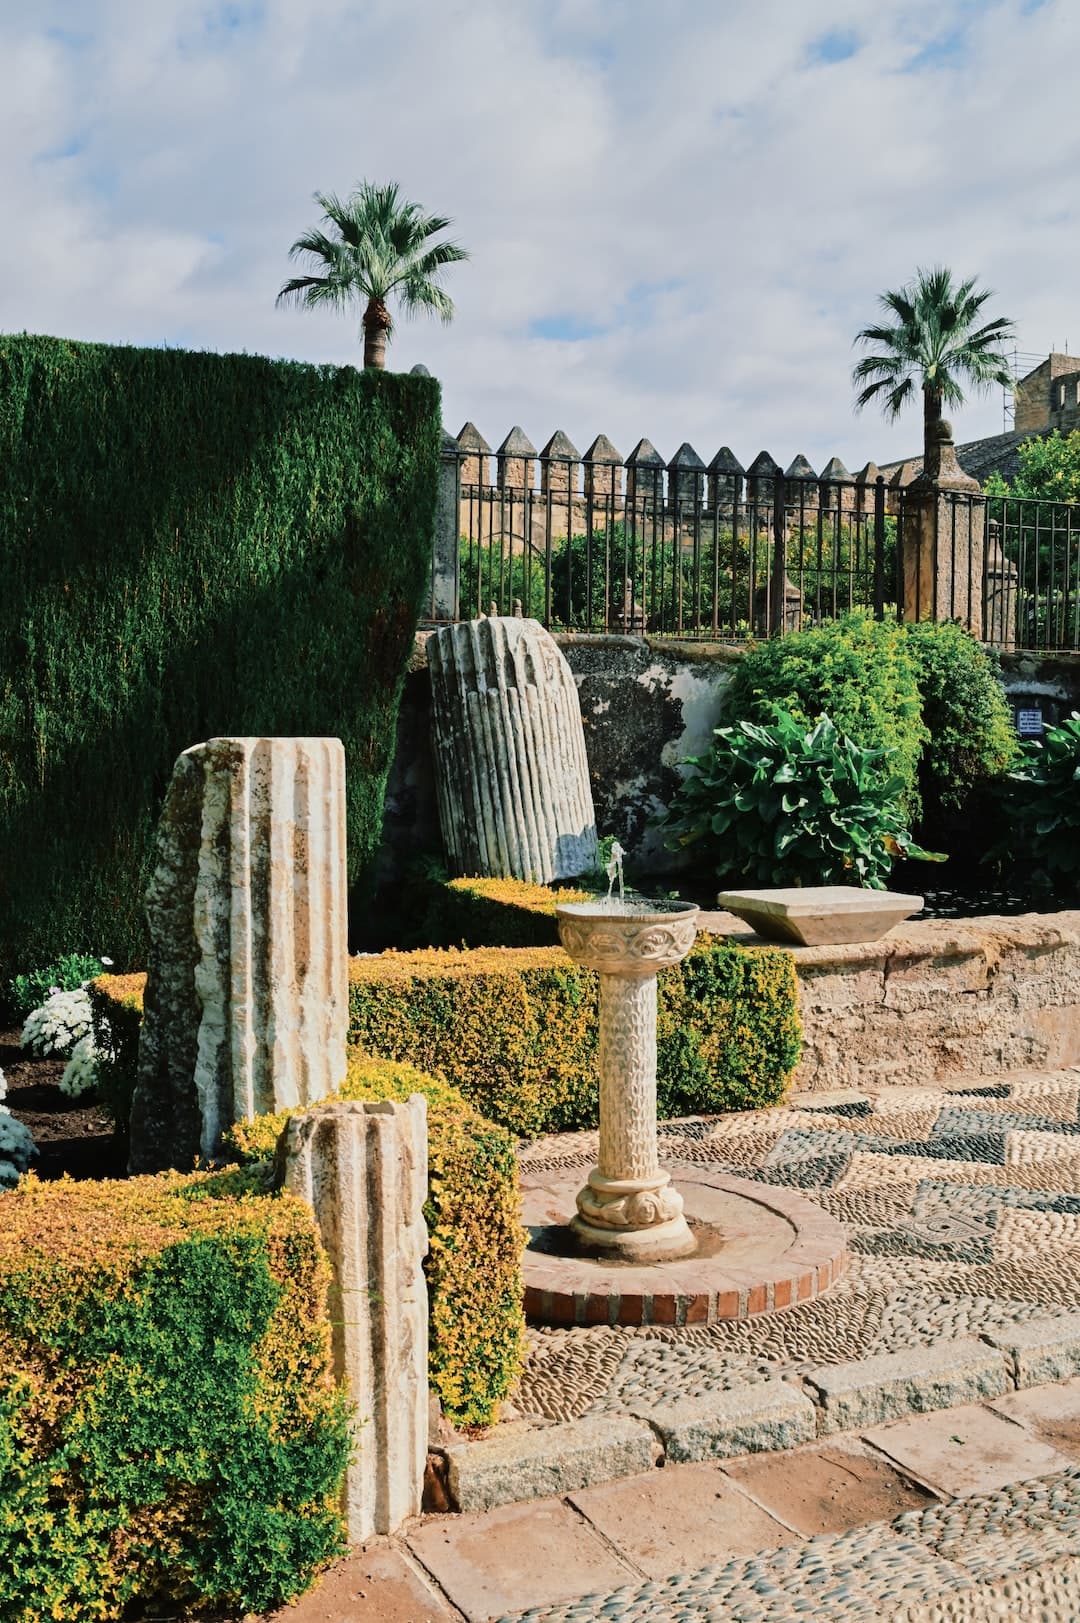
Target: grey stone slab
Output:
[
  {"x": 744, "y": 1421},
  {"x": 867, "y": 1391},
  {"x": 1042, "y": 1350},
  {"x": 967, "y": 1450},
  {"x": 516, "y": 1464}
]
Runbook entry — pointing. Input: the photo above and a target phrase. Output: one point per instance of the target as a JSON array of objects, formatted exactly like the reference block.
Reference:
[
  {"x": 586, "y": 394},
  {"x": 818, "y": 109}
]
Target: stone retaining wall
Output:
[{"x": 936, "y": 1000}]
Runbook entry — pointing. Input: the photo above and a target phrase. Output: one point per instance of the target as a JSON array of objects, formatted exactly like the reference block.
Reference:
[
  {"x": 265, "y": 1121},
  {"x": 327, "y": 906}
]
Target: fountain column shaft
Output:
[{"x": 628, "y": 1077}]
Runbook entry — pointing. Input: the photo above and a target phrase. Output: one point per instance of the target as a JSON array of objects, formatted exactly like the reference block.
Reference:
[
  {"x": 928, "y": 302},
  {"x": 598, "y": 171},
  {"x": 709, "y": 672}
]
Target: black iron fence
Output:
[{"x": 730, "y": 556}]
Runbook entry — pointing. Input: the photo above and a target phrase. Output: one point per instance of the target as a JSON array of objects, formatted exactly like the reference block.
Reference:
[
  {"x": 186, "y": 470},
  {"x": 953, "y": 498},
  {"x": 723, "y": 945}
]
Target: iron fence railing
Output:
[{"x": 761, "y": 554}]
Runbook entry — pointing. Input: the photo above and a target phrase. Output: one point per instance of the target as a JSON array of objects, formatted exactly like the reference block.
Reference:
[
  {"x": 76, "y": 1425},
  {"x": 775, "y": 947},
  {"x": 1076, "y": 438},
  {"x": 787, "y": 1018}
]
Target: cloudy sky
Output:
[{"x": 678, "y": 213}]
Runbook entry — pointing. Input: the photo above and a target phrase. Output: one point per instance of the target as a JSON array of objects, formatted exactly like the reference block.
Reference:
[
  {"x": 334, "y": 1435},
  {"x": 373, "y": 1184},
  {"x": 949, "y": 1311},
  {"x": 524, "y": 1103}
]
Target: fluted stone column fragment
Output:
[
  {"x": 246, "y": 1004},
  {"x": 363, "y": 1169},
  {"x": 510, "y": 764}
]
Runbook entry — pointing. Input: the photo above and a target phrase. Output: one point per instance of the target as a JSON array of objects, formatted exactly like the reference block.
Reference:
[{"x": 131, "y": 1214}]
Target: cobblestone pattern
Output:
[
  {"x": 1011, "y": 1555},
  {"x": 963, "y": 1215}
]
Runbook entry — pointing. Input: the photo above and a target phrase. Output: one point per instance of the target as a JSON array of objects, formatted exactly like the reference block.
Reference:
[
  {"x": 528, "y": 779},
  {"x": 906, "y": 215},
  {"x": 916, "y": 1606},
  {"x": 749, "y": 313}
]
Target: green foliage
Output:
[
  {"x": 971, "y": 735},
  {"x": 29, "y": 991},
  {"x": 116, "y": 1016},
  {"x": 1049, "y": 470},
  {"x": 192, "y": 545},
  {"x": 473, "y": 1267},
  {"x": 381, "y": 247},
  {"x": 858, "y": 671},
  {"x": 932, "y": 344},
  {"x": 1042, "y": 803},
  {"x": 169, "y": 1429},
  {"x": 784, "y": 805}
]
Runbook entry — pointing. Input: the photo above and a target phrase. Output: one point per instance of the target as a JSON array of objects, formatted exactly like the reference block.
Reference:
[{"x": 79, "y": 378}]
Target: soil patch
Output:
[{"x": 73, "y": 1136}]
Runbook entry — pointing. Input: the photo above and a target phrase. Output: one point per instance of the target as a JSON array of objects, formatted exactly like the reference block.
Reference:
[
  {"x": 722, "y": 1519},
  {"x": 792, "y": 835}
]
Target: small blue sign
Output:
[{"x": 1029, "y": 723}]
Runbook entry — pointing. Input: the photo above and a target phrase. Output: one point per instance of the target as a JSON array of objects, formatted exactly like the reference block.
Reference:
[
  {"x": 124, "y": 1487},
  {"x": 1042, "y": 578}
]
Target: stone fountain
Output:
[
  {"x": 629, "y": 1208},
  {"x": 641, "y": 1243}
]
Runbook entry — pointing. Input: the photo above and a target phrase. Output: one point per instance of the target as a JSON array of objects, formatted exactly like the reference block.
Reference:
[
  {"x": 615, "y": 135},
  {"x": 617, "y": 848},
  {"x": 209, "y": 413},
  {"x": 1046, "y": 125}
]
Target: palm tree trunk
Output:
[
  {"x": 376, "y": 324},
  {"x": 932, "y": 403}
]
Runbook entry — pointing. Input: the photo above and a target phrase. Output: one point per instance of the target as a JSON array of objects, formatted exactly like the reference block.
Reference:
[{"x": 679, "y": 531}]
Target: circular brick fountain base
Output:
[{"x": 759, "y": 1248}]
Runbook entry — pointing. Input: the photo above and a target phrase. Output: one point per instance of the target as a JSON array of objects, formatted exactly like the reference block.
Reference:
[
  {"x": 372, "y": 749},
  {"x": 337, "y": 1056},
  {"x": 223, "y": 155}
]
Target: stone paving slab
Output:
[
  {"x": 516, "y": 1555},
  {"x": 869, "y": 1390},
  {"x": 970, "y": 1450},
  {"x": 660, "y": 1523}
]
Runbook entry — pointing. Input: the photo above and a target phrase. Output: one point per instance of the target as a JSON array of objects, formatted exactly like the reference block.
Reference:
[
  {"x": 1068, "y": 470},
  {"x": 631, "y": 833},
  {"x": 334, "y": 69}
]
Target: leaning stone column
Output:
[
  {"x": 363, "y": 1169},
  {"x": 510, "y": 764},
  {"x": 246, "y": 1005}
]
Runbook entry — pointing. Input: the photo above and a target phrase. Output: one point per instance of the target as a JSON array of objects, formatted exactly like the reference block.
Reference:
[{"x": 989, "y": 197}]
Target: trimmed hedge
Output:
[
  {"x": 476, "y": 1324},
  {"x": 477, "y": 912},
  {"x": 516, "y": 1031},
  {"x": 191, "y": 545},
  {"x": 169, "y": 1429}
]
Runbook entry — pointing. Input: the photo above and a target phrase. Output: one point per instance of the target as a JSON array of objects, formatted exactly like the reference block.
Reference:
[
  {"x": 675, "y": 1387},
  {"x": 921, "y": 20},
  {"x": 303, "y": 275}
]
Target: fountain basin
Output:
[{"x": 759, "y": 1248}]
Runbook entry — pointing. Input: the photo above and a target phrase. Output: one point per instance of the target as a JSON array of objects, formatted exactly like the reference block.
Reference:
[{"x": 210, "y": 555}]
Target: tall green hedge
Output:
[{"x": 190, "y": 545}]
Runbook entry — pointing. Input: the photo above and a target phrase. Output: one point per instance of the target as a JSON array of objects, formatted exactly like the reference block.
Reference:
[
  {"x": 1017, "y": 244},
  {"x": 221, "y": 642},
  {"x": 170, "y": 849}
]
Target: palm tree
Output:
[
  {"x": 381, "y": 247},
  {"x": 934, "y": 345}
]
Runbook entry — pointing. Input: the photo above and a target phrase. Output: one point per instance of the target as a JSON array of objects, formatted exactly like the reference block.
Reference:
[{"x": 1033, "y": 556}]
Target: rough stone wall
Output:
[
  {"x": 645, "y": 704},
  {"x": 936, "y": 1000},
  {"x": 1037, "y": 396}
]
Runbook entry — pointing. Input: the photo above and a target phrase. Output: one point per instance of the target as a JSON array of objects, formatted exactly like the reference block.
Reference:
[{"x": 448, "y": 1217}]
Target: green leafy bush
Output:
[
  {"x": 170, "y": 1432},
  {"x": 191, "y": 545},
  {"x": 473, "y": 1267},
  {"x": 858, "y": 671},
  {"x": 971, "y": 739},
  {"x": 1042, "y": 803},
  {"x": 29, "y": 991},
  {"x": 788, "y": 805}
]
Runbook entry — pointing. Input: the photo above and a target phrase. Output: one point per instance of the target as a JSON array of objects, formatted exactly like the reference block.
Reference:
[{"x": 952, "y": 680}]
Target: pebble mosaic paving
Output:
[
  {"x": 1013, "y": 1554},
  {"x": 962, "y": 1205}
]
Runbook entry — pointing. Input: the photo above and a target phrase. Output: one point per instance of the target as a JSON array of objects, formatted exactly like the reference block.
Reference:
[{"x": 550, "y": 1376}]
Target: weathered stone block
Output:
[
  {"x": 747, "y": 1420},
  {"x": 868, "y": 1391},
  {"x": 363, "y": 1170},
  {"x": 1042, "y": 1350},
  {"x": 514, "y": 1464},
  {"x": 246, "y": 1005}
]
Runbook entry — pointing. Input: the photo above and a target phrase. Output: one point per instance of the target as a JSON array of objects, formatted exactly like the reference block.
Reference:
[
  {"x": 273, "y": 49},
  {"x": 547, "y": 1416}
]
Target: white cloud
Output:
[{"x": 708, "y": 203}]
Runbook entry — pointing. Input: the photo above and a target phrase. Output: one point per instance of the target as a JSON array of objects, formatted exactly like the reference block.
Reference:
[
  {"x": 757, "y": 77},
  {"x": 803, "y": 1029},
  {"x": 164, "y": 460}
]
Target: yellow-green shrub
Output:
[
  {"x": 473, "y": 1267},
  {"x": 169, "y": 1427},
  {"x": 516, "y": 1031},
  {"x": 438, "y": 912}
]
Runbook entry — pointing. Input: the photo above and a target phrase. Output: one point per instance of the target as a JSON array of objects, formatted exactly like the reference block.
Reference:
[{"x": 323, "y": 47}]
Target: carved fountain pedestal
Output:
[{"x": 629, "y": 1209}]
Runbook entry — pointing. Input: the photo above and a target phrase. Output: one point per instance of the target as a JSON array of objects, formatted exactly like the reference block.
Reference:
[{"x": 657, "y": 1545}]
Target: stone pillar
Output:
[
  {"x": 510, "y": 764},
  {"x": 444, "y": 592},
  {"x": 363, "y": 1169},
  {"x": 1002, "y": 593},
  {"x": 246, "y": 1005},
  {"x": 943, "y": 514},
  {"x": 629, "y": 1208}
]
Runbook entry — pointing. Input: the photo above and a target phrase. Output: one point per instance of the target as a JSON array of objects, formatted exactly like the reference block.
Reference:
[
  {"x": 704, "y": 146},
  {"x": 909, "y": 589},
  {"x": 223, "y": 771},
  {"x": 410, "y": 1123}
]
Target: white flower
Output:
[
  {"x": 58, "y": 1025},
  {"x": 17, "y": 1148},
  {"x": 80, "y": 1073},
  {"x": 107, "y": 962}
]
